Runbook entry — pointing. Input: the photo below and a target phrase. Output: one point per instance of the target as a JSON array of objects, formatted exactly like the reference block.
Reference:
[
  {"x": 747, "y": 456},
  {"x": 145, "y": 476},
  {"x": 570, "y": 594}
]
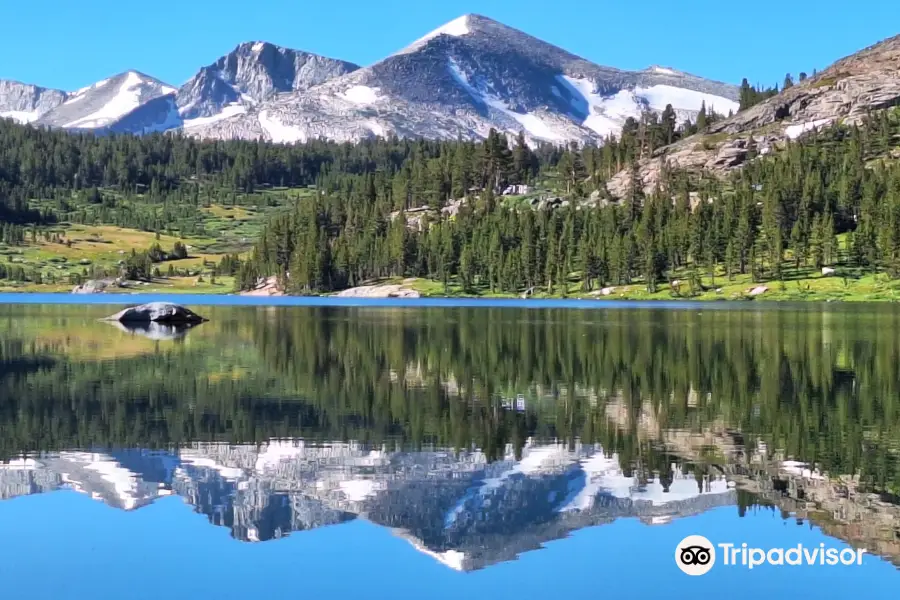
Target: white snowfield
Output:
[
  {"x": 278, "y": 132},
  {"x": 126, "y": 100},
  {"x": 20, "y": 116},
  {"x": 607, "y": 114},
  {"x": 456, "y": 28},
  {"x": 228, "y": 110},
  {"x": 361, "y": 95}
]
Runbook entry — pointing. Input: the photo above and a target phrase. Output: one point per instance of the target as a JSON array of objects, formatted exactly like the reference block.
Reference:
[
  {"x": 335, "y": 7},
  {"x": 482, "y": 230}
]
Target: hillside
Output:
[{"x": 845, "y": 93}]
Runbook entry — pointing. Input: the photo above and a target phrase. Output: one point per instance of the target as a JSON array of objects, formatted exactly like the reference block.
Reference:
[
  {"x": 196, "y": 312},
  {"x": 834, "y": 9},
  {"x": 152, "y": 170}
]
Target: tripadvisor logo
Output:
[{"x": 696, "y": 555}]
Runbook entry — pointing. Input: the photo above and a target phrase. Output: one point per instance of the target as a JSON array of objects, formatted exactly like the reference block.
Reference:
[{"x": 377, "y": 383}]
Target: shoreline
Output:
[{"x": 231, "y": 299}]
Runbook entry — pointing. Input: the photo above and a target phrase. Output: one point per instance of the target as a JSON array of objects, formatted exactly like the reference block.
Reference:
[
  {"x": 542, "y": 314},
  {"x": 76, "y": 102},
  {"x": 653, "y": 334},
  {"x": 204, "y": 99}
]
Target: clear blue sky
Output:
[{"x": 69, "y": 44}]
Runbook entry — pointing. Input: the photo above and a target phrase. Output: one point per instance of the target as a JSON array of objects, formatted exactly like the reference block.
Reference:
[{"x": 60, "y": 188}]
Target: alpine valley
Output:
[{"x": 459, "y": 81}]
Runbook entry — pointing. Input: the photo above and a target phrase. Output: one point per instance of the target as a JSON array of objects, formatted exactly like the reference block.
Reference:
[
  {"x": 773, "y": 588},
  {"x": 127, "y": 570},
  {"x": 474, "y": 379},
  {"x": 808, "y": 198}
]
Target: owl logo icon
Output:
[{"x": 695, "y": 555}]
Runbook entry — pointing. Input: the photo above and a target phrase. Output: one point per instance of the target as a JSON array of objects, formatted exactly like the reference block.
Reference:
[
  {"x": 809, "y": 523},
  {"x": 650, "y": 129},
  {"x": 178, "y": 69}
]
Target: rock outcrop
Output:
[
  {"x": 25, "y": 103},
  {"x": 379, "y": 291},
  {"x": 844, "y": 93},
  {"x": 268, "y": 286},
  {"x": 252, "y": 73},
  {"x": 157, "y": 312}
]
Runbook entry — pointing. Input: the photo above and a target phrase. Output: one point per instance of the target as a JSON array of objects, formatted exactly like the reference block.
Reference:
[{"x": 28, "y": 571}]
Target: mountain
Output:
[
  {"x": 845, "y": 92},
  {"x": 459, "y": 508},
  {"x": 252, "y": 73},
  {"x": 469, "y": 76},
  {"x": 25, "y": 103},
  {"x": 108, "y": 104},
  {"x": 461, "y": 80}
]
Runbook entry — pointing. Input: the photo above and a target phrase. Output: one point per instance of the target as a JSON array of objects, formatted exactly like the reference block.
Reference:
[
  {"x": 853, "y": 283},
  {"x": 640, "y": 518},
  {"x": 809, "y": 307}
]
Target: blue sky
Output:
[{"x": 66, "y": 44}]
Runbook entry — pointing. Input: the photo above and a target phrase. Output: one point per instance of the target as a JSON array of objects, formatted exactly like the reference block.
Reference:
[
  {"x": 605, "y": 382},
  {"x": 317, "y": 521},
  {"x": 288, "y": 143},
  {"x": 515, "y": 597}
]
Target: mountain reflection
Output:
[
  {"x": 579, "y": 418},
  {"x": 460, "y": 508}
]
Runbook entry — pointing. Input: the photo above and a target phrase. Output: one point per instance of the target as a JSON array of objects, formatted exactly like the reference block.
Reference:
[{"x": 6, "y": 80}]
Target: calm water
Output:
[{"x": 427, "y": 451}]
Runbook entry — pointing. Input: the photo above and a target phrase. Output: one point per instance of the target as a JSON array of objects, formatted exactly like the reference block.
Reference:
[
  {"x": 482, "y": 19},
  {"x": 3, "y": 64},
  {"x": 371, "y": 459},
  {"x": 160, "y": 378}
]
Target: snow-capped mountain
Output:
[
  {"x": 461, "y": 80},
  {"x": 108, "y": 104},
  {"x": 469, "y": 76},
  {"x": 25, "y": 103},
  {"x": 252, "y": 73},
  {"x": 460, "y": 508}
]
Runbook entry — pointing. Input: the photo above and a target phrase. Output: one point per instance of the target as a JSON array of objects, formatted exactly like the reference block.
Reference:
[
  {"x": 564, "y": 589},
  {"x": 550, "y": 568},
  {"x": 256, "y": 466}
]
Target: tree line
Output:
[{"x": 780, "y": 215}]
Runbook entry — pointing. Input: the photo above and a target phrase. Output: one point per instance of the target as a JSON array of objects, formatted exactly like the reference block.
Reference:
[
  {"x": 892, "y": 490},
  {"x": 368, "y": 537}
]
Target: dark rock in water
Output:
[{"x": 157, "y": 312}]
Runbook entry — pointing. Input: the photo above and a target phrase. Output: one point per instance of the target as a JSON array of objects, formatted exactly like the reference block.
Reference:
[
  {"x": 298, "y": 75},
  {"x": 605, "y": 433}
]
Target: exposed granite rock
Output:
[
  {"x": 254, "y": 72},
  {"x": 101, "y": 106},
  {"x": 25, "y": 103},
  {"x": 379, "y": 291},
  {"x": 157, "y": 312},
  {"x": 268, "y": 286},
  {"x": 845, "y": 92},
  {"x": 461, "y": 80},
  {"x": 92, "y": 286}
]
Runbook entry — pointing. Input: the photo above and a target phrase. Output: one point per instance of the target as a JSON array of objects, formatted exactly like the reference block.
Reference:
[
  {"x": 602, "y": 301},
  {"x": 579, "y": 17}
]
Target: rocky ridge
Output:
[
  {"x": 461, "y": 80},
  {"x": 252, "y": 73},
  {"x": 467, "y": 77},
  {"x": 25, "y": 103},
  {"x": 844, "y": 93},
  {"x": 108, "y": 104}
]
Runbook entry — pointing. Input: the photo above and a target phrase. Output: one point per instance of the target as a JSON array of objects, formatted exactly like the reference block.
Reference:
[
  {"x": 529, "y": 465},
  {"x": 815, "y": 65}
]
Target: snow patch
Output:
[
  {"x": 361, "y": 94},
  {"x": 376, "y": 128},
  {"x": 227, "y": 111},
  {"x": 456, "y": 28},
  {"x": 126, "y": 100},
  {"x": 226, "y": 472},
  {"x": 277, "y": 452},
  {"x": 664, "y": 71},
  {"x": 258, "y": 46},
  {"x": 278, "y": 132},
  {"x": 603, "y": 115},
  {"x": 20, "y": 116},
  {"x": 531, "y": 123},
  {"x": 603, "y": 475},
  {"x": 124, "y": 482},
  {"x": 795, "y": 131},
  {"x": 357, "y": 490},
  {"x": 658, "y": 96},
  {"x": 451, "y": 558},
  {"x": 534, "y": 461}
]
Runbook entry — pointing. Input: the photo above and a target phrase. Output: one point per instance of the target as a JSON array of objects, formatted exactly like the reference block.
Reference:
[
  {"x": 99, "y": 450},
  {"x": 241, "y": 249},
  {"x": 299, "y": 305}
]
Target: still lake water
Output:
[{"x": 446, "y": 452}]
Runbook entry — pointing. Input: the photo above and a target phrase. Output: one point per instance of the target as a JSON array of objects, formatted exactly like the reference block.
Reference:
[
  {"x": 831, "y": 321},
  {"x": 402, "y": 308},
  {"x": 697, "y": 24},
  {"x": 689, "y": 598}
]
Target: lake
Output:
[{"x": 448, "y": 451}]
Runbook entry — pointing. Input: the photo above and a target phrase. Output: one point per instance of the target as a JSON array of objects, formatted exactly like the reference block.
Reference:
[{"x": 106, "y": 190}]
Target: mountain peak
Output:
[
  {"x": 458, "y": 27},
  {"x": 253, "y": 72}
]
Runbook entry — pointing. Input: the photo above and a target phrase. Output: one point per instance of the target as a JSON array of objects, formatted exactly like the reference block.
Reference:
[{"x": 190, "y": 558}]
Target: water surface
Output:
[{"x": 391, "y": 452}]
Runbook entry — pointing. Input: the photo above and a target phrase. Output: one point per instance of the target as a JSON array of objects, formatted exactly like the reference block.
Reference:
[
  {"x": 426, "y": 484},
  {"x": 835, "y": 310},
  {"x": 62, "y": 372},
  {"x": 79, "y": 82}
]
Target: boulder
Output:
[
  {"x": 826, "y": 271},
  {"x": 157, "y": 312},
  {"x": 92, "y": 286}
]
